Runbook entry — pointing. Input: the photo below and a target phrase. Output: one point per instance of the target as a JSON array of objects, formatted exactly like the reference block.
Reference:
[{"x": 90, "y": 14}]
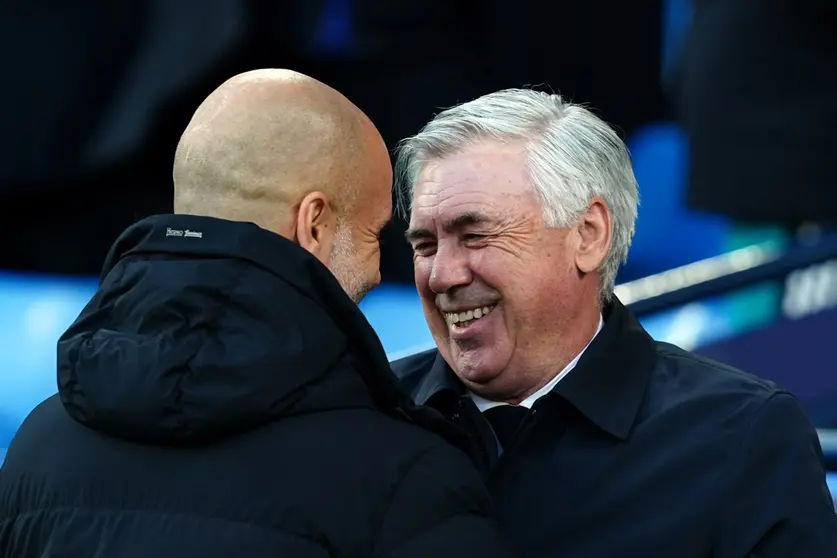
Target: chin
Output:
[{"x": 476, "y": 367}]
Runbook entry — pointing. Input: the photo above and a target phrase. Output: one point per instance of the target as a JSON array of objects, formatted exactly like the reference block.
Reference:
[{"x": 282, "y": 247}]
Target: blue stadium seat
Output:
[
  {"x": 334, "y": 33},
  {"x": 667, "y": 233},
  {"x": 394, "y": 311},
  {"x": 828, "y": 440},
  {"x": 677, "y": 16},
  {"x": 34, "y": 312},
  {"x": 8, "y": 427}
]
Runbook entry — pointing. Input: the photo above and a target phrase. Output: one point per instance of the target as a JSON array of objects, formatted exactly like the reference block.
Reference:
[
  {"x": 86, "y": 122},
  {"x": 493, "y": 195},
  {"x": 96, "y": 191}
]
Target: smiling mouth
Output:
[{"x": 467, "y": 317}]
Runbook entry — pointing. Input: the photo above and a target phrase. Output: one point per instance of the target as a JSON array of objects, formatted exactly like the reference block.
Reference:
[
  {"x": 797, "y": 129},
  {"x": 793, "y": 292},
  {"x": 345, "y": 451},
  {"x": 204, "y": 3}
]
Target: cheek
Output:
[
  {"x": 549, "y": 290},
  {"x": 496, "y": 268},
  {"x": 525, "y": 281},
  {"x": 365, "y": 259},
  {"x": 422, "y": 267}
]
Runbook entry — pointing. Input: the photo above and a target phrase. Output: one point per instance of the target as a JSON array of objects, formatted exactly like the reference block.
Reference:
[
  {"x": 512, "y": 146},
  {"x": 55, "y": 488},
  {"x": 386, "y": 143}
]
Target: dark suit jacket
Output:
[{"x": 646, "y": 450}]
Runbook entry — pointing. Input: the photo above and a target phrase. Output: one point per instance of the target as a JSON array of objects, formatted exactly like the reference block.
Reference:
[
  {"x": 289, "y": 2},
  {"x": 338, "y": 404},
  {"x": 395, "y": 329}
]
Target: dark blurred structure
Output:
[
  {"x": 758, "y": 98},
  {"x": 98, "y": 94}
]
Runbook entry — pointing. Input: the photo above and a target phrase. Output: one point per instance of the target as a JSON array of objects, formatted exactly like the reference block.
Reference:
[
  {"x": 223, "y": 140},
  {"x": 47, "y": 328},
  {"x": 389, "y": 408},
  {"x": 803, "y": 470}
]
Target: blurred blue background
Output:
[{"x": 92, "y": 161}]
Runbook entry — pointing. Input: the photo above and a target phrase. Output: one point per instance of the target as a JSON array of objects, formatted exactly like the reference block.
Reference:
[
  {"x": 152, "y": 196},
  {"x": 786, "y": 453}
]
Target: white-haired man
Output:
[{"x": 595, "y": 439}]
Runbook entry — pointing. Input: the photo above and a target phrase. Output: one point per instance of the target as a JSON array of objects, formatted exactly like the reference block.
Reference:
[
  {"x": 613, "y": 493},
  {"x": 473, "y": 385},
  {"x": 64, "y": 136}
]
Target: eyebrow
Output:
[{"x": 460, "y": 221}]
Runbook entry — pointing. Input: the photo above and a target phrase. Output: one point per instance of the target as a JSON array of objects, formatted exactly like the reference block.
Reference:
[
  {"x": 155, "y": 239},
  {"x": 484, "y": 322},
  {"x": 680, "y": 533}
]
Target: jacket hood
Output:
[{"x": 202, "y": 328}]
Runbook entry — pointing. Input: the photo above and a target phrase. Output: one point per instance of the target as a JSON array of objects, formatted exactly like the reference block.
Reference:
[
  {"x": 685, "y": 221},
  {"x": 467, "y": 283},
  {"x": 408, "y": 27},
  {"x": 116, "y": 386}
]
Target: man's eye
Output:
[
  {"x": 424, "y": 246},
  {"x": 472, "y": 236}
]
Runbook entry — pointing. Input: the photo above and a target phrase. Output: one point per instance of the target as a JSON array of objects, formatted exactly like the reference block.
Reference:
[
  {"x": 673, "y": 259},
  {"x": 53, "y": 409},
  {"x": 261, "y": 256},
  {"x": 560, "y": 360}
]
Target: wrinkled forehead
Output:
[{"x": 491, "y": 181}]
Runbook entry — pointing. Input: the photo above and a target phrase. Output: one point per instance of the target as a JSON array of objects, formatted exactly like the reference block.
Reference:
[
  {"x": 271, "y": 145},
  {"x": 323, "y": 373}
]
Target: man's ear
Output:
[
  {"x": 594, "y": 236},
  {"x": 315, "y": 225}
]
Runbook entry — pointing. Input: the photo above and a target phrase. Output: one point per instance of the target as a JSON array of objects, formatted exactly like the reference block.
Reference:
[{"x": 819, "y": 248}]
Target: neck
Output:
[{"x": 565, "y": 350}]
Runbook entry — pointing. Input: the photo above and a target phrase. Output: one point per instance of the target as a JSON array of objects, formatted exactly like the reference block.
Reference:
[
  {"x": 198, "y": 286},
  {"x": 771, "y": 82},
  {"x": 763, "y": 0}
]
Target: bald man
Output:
[{"x": 221, "y": 395}]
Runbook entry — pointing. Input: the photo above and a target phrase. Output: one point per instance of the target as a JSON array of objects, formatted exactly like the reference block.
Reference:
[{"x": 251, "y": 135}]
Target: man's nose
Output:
[{"x": 450, "y": 270}]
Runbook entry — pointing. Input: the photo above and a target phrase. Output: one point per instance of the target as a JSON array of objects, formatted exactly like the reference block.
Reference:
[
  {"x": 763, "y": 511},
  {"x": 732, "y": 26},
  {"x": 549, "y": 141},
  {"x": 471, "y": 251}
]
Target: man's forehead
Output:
[
  {"x": 477, "y": 182},
  {"x": 487, "y": 167},
  {"x": 443, "y": 207}
]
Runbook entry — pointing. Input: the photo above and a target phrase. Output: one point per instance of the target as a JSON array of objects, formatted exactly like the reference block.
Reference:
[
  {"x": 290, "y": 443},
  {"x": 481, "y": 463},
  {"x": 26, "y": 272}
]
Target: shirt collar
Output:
[{"x": 611, "y": 377}]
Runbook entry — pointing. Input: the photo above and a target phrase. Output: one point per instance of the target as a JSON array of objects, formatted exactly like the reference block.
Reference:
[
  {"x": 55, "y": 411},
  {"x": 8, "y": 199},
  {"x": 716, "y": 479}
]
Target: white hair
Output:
[{"x": 572, "y": 156}]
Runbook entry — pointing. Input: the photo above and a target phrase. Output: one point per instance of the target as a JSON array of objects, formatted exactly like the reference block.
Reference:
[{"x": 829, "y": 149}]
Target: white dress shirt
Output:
[{"x": 484, "y": 404}]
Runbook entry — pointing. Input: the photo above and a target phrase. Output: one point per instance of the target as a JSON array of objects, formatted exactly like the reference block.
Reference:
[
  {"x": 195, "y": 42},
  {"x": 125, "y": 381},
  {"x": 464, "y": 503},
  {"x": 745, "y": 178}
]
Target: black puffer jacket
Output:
[{"x": 221, "y": 396}]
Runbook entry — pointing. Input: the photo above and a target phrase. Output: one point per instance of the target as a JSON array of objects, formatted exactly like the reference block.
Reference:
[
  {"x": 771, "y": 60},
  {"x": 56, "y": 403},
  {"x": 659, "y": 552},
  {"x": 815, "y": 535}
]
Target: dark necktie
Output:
[{"x": 505, "y": 420}]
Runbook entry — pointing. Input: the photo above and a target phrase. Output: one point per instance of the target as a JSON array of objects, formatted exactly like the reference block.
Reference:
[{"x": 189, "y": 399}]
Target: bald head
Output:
[{"x": 265, "y": 139}]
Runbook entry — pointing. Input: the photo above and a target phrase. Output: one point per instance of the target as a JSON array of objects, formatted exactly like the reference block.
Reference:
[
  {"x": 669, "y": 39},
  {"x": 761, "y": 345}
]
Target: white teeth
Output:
[{"x": 468, "y": 315}]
